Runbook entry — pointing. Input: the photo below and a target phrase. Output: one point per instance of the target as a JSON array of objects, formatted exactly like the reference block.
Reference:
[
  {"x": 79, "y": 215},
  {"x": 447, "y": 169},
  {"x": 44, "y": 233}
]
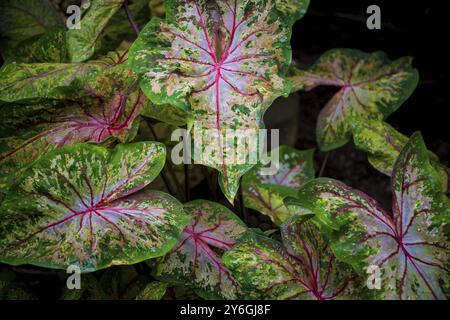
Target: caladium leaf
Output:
[
  {"x": 223, "y": 61},
  {"x": 168, "y": 114},
  {"x": 82, "y": 42},
  {"x": 109, "y": 112},
  {"x": 303, "y": 268},
  {"x": 193, "y": 262},
  {"x": 412, "y": 248},
  {"x": 24, "y": 19},
  {"x": 383, "y": 144},
  {"x": 380, "y": 141},
  {"x": 292, "y": 9},
  {"x": 371, "y": 85},
  {"x": 153, "y": 291},
  {"x": 24, "y": 81},
  {"x": 265, "y": 192},
  {"x": 78, "y": 205}
]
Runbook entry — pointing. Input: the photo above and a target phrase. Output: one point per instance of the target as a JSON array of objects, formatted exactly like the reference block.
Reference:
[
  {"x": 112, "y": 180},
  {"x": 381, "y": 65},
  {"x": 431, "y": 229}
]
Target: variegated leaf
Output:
[
  {"x": 24, "y": 81},
  {"x": 265, "y": 192},
  {"x": 371, "y": 85},
  {"x": 383, "y": 144},
  {"x": 223, "y": 61},
  {"x": 78, "y": 205},
  {"x": 303, "y": 268},
  {"x": 82, "y": 42},
  {"x": 194, "y": 261},
  {"x": 412, "y": 248},
  {"x": 109, "y": 111},
  {"x": 153, "y": 291}
]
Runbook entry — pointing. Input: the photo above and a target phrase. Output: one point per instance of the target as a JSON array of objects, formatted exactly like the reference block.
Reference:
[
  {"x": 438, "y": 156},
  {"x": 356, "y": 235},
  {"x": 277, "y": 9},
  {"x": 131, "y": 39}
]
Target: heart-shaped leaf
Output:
[
  {"x": 264, "y": 191},
  {"x": 412, "y": 248},
  {"x": 82, "y": 42},
  {"x": 78, "y": 205},
  {"x": 24, "y": 19},
  {"x": 371, "y": 85},
  {"x": 153, "y": 291},
  {"x": 194, "y": 261},
  {"x": 223, "y": 61},
  {"x": 303, "y": 268}
]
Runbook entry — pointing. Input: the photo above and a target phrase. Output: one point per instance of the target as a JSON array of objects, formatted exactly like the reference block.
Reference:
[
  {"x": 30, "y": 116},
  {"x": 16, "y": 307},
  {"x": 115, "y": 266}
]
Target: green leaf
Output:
[
  {"x": 383, "y": 144},
  {"x": 265, "y": 192},
  {"x": 193, "y": 262},
  {"x": 78, "y": 205},
  {"x": 372, "y": 87},
  {"x": 303, "y": 268},
  {"x": 83, "y": 42},
  {"x": 411, "y": 249},
  {"x": 153, "y": 291},
  {"x": 24, "y": 19},
  {"x": 292, "y": 9},
  {"x": 223, "y": 62},
  {"x": 380, "y": 141},
  {"x": 24, "y": 81},
  {"x": 168, "y": 114}
]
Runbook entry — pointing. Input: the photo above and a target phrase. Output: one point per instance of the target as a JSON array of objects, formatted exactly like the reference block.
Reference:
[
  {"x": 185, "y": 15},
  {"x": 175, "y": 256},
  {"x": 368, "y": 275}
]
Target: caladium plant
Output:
[
  {"x": 194, "y": 261},
  {"x": 410, "y": 247},
  {"x": 79, "y": 205},
  {"x": 303, "y": 267},
  {"x": 223, "y": 61},
  {"x": 264, "y": 191},
  {"x": 82, "y": 186},
  {"x": 371, "y": 87}
]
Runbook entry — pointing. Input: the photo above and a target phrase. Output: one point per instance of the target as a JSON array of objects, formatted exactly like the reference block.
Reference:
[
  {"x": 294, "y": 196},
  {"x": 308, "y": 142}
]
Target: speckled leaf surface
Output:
[
  {"x": 153, "y": 291},
  {"x": 303, "y": 267},
  {"x": 383, "y": 144},
  {"x": 23, "y": 81},
  {"x": 24, "y": 19},
  {"x": 78, "y": 205},
  {"x": 194, "y": 261},
  {"x": 412, "y": 248},
  {"x": 265, "y": 193},
  {"x": 83, "y": 41},
  {"x": 222, "y": 60},
  {"x": 380, "y": 141},
  {"x": 108, "y": 111},
  {"x": 372, "y": 87}
]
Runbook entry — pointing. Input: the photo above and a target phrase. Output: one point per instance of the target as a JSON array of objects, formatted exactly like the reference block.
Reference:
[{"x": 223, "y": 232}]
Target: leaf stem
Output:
[
  {"x": 130, "y": 18},
  {"x": 186, "y": 182},
  {"x": 169, "y": 168},
  {"x": 324, "y": 164},
  {"x": 243, "y": 209}
]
